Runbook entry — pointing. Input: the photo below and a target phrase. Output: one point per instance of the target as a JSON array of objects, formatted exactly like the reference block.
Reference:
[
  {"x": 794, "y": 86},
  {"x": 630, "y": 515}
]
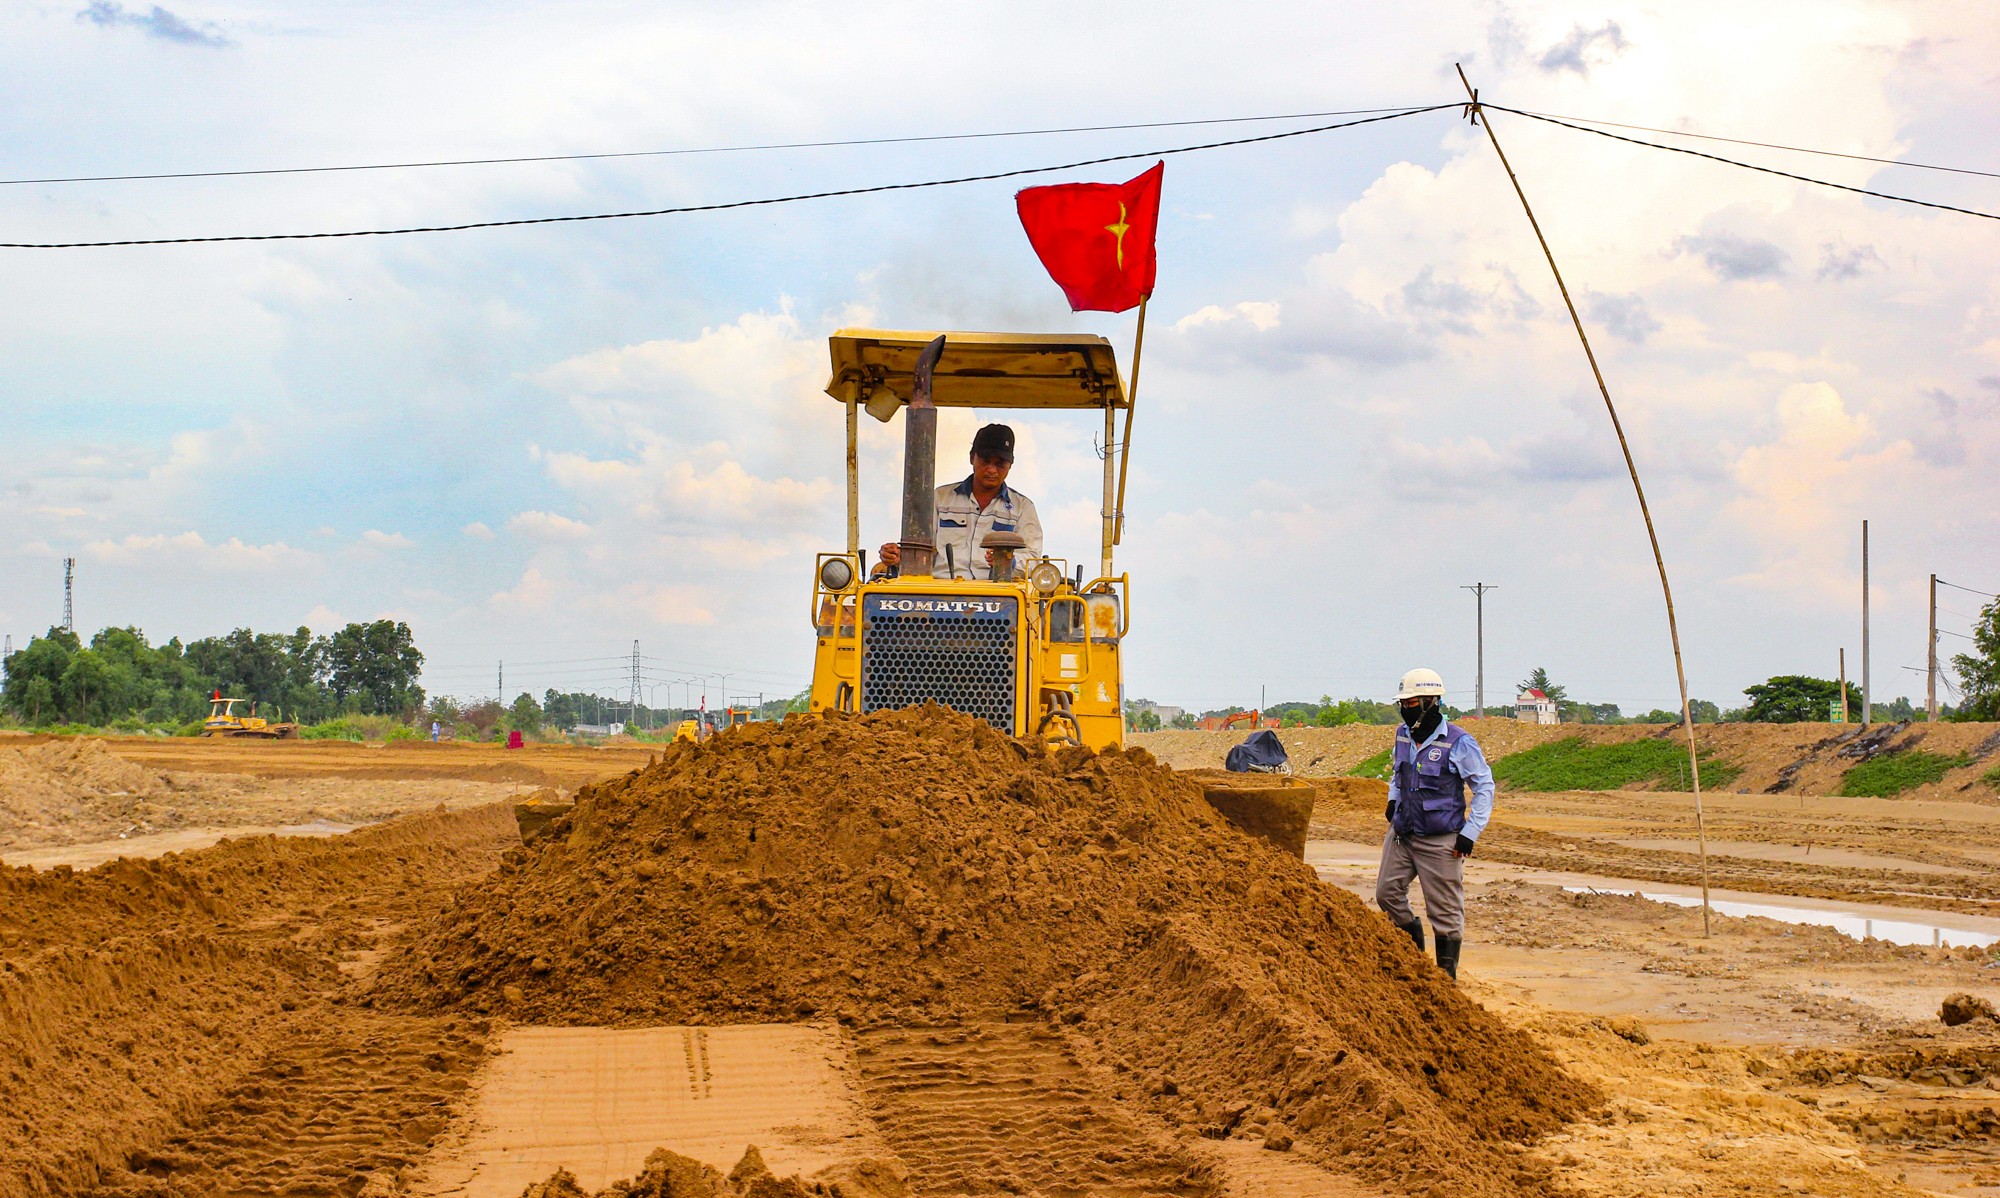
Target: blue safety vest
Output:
[{"x": 1430, "y": 792}]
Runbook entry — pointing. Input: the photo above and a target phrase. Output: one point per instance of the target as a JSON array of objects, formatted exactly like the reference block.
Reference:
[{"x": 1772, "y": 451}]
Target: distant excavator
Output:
[{"x": 223, "y": 721}]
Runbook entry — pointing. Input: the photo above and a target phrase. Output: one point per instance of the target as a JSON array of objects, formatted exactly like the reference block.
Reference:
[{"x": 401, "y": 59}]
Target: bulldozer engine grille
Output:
[{"x": 956, "y": 652}]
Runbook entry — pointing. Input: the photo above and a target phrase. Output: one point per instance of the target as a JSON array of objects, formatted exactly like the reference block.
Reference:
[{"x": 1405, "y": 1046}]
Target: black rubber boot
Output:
[
  {"x": 1416, "y": 930},
  {"x": 1447, "y": 948}
]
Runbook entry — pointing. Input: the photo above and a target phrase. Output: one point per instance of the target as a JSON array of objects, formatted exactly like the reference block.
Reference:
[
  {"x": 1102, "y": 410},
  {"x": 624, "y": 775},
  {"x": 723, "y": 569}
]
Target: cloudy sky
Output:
[{"x": 1360, "y": 394}]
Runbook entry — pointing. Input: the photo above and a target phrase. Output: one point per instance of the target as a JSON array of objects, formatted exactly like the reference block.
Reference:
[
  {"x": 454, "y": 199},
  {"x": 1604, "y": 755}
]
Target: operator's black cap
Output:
[{"x": 994, "y": 441}]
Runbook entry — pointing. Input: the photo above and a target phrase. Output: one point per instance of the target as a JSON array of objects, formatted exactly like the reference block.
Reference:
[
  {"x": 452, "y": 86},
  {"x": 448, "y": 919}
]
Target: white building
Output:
[{"x": 1534, "y": 707}]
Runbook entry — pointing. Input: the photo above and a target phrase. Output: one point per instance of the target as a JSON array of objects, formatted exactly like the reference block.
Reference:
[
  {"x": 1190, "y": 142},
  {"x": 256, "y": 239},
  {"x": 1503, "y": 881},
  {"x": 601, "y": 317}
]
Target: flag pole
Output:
[{"x": 1125, "y": 445}]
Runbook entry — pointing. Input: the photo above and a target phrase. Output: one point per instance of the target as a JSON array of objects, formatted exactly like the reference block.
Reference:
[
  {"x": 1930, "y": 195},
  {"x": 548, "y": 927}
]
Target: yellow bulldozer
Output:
[
  {"x": 223, "y": 721},
  {"x": 1033, "y": 648}
]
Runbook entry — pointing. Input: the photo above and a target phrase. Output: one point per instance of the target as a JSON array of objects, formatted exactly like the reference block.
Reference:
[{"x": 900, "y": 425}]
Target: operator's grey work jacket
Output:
[{"x": 961, "y": 525}]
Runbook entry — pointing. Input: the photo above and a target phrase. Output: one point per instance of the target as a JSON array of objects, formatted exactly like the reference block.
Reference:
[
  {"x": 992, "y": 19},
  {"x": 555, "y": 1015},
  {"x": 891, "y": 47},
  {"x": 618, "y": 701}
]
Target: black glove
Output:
[
  {"x": 1389, "y": 812},
  {"x": 1463, "y": 848}
]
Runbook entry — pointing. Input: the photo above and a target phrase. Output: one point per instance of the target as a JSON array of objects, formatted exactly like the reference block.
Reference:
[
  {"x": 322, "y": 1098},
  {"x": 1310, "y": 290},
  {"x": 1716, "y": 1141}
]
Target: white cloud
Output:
[
  {"x": 375, "y": 538},
  {"x": 477, "y": 531},
  {"x": 534, "y": 594},
  {"x": 189, "y": 550},
  {"x": 1259, "y": 315},
  {"x": 1797, "y": 492},
  {"x": 548, "y": 526},
  {"x": 323, "y": 619}
]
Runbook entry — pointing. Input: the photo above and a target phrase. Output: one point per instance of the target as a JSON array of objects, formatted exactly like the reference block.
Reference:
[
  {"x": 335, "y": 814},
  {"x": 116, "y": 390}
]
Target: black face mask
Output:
[{"x": 1421, "y": 719}]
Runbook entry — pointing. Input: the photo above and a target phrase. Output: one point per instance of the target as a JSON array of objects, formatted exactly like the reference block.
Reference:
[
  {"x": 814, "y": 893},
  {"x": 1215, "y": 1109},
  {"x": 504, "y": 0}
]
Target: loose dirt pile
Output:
[
  {"x": 671, "y": 1175},
  {"x": 62, "y": 791},
  {"x": 137, "y": 1001},
  {"x": 916, "y": 867}
]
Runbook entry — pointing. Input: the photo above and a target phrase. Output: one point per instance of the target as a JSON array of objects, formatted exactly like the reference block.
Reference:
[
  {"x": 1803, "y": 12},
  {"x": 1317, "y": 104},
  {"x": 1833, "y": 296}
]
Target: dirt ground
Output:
[
  {"x": 1795, "y": 759},
  {"x": 202, "y": 1022}
]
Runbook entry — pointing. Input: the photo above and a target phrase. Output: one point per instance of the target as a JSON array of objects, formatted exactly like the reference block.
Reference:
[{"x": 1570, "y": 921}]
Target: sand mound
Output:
[
  {"x": 52, "y": 791},
  {"x": 671, "y": 1175},
  {"x": 917, "y": 867},
  {"x": 133, "y": 996}
]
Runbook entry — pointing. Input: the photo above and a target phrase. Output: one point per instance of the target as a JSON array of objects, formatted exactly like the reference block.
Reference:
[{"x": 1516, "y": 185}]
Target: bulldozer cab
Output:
[{"x": 1033, "y": 647}]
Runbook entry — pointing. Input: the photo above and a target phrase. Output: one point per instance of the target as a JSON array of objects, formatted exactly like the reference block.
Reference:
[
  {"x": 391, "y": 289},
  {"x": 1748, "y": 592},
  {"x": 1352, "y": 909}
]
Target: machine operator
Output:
[
  {"x": 968, "y": 510},
  {"x": 1432, "y": 828}
]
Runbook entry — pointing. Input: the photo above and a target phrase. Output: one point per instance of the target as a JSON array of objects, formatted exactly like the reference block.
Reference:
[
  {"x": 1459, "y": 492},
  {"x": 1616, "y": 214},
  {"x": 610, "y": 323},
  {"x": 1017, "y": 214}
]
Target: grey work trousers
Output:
[{"x": 1428, "y": 859}]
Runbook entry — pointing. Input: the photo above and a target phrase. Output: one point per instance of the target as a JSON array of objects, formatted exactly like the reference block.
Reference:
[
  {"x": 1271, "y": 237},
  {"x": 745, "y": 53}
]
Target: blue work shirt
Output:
[{"x": 1470, "y": 762}]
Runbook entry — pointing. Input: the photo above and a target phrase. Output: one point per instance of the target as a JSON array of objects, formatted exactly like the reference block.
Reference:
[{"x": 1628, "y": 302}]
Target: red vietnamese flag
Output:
[{"x": 1096, "y": 239}]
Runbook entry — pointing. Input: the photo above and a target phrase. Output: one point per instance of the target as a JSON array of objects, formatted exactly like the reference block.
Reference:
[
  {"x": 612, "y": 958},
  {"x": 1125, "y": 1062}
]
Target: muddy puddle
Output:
[{"x": 1848, "y": 923}]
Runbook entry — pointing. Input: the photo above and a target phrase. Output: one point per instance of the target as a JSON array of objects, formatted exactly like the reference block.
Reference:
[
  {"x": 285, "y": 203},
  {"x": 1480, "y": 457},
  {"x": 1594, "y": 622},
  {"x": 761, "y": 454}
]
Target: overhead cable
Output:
[
  {"x": 1954, "y": 586},
  {"x": 1767, "y": 145},
  {"x": 718, "y": 207},
  {"x": 1748, "y": 166},
  {"x": 785, "y": 145}
]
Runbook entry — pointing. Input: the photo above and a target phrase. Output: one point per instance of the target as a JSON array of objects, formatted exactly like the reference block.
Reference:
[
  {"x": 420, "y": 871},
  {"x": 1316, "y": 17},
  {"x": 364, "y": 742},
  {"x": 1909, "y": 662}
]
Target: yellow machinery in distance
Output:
[
  {"x": 1031, "y": 649},
  {"x": 223, "y": 721}
]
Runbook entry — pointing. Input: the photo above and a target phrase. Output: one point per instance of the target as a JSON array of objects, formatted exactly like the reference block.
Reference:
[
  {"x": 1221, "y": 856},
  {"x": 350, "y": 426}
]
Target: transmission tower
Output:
[
  {"x": 6, "y": 653},
  {"x": 69, "y": 590},
  {"x": 635, "y": 682},
  {"x": 500, "y": 682}
]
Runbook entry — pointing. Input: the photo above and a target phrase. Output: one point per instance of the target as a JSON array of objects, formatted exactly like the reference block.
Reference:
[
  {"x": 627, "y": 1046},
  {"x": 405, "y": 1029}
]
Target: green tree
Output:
[
  {"x": 43, "y": 662},
  {"x": 1185, "y": 720},
  {"x": 1979, "y": 672},
  {"x": 1795, "y": 698},
  {"x": 373, "y": 668},
  {"x": 1703, "y": 712},
  {"x": 1538, "y": 680},
  {"x": 525, "y": 716},
  {"x": 1140, "y": 717}
]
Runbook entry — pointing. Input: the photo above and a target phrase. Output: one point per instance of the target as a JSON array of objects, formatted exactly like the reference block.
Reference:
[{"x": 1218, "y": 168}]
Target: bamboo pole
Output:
[
  {"x": 1474, "y": 111},
  {"x": 1131, "y": 404}
]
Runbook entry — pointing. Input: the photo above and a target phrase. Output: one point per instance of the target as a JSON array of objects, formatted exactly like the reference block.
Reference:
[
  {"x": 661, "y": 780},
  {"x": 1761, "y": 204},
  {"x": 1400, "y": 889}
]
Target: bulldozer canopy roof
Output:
[{"x": 979, "y": 370}]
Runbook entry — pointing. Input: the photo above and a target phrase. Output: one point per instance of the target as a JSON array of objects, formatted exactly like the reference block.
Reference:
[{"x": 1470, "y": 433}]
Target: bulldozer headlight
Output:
[
  {"x": 1046, "y": 577},
  {"x": 836, "y": 573}
]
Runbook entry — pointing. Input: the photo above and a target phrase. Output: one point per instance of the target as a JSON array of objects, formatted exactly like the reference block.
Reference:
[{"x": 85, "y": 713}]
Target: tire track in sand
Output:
[{"x": 1003, "y": 1109}]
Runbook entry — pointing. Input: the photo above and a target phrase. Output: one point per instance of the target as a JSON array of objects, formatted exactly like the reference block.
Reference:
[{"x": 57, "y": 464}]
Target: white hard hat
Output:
[{"x": 1421, "y": 683}]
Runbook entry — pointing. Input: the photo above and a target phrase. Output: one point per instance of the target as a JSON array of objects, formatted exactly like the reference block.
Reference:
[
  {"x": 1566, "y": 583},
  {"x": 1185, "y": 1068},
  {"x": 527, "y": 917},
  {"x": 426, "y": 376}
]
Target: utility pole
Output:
[
  {"x": 69, "y": 588},
  {"x": 1930, "y": 677},
  {"x": 6, "y": 653},
  {"x": 1479, "y": 590},
  {"x": 500, "y": 684},
  {"x": 1867, "y": 704},
  {"x": 635, "y": 682},
  {"x": 1843, "y": 684}
]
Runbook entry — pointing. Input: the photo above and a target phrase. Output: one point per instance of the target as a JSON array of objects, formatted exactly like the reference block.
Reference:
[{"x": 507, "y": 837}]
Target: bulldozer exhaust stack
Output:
[{"x": 920, "y": 468}]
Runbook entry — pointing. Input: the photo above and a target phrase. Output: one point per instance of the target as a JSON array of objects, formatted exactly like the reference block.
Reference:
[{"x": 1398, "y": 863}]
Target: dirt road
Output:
[{"x": 213, "y": 1008}]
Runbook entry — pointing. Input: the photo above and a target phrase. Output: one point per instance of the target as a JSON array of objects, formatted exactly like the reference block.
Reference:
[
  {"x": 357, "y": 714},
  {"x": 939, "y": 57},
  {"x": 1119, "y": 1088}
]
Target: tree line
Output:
[{"x": 362, "y": 669}]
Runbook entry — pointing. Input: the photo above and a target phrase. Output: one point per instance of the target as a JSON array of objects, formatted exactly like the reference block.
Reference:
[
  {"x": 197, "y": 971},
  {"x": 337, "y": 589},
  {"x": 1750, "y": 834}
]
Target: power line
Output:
[
  {"x": 788, "y": 145},
  {"x": 1954, "y": 586},
  {"x": 1768, "y": 145},
  {"x": 1748, "y": 166},
  {"x": 718, "y": 207}
]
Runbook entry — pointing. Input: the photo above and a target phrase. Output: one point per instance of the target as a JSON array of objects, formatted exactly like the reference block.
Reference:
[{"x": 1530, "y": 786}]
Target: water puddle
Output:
[{"x": 1858, "y": 927}]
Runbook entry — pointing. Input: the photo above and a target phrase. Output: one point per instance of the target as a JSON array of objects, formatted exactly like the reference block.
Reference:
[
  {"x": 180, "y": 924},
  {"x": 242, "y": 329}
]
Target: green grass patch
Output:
[
  {"x": 1991, "y": 777},
  {"x": 1372, "y": 767},
  {"x": 1574, "y": 764},
  {"x": 1886, "y": 777},
  {"x": 360, "y": 728}
]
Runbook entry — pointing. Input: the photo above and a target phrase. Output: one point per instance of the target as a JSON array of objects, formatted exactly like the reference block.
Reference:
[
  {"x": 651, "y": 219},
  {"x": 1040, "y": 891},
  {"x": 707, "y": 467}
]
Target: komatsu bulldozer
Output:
[
  {"x": 1029, "y": 644},
  {"x": 223, "y": 721}
]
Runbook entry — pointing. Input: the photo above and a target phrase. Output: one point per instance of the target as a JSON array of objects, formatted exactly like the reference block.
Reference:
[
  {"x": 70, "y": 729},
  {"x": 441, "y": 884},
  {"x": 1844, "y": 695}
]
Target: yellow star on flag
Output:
[{"x": 1117, "y": 230}]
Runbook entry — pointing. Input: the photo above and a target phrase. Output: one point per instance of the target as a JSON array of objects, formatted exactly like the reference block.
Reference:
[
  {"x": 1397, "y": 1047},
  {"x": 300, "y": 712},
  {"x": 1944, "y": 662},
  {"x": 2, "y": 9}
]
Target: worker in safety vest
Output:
[
  {"x": 1432, "y": 828},
  {"x": 982, "y": 504}
]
